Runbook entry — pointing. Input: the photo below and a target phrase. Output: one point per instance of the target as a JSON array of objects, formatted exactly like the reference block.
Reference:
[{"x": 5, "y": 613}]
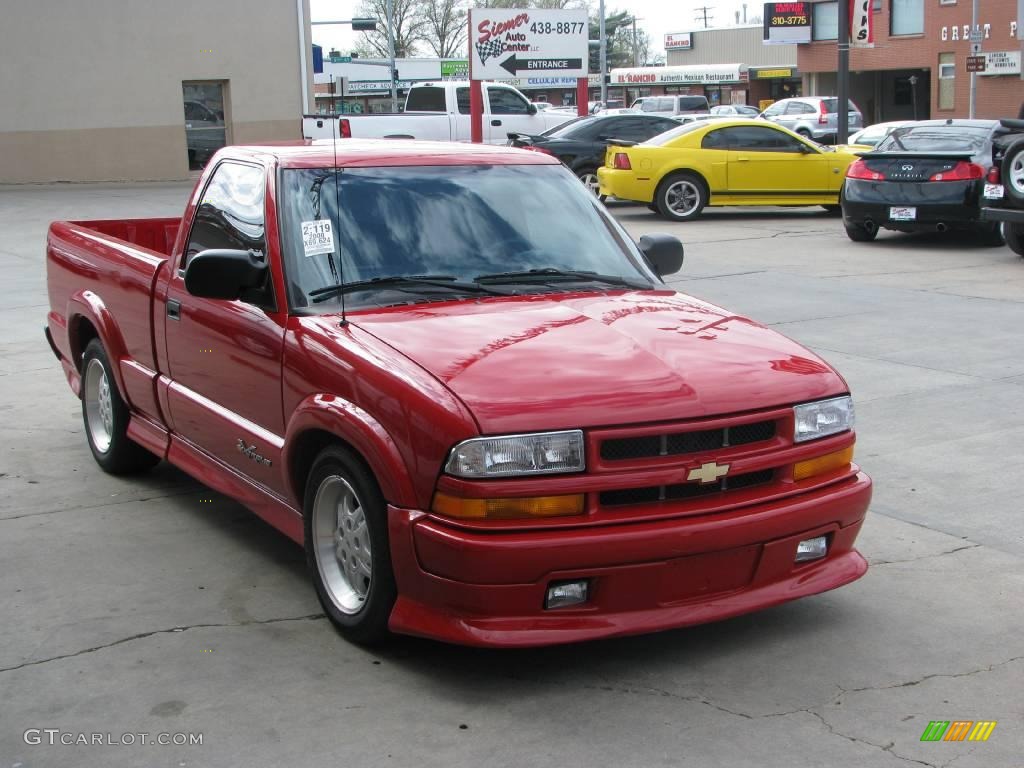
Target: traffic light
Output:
[
  {"x": 364, "y": 25},
  {"x": 394, "y": 73}
]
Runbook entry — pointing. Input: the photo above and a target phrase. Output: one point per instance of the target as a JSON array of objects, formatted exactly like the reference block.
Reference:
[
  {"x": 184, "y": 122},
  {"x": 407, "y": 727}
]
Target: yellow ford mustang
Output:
[{"x": 726, "y": 162}]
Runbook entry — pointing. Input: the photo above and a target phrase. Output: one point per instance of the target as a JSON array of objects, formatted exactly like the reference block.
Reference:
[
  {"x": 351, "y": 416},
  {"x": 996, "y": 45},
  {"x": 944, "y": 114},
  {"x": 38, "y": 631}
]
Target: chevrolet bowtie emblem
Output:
[{"x": 708, "y": 473}]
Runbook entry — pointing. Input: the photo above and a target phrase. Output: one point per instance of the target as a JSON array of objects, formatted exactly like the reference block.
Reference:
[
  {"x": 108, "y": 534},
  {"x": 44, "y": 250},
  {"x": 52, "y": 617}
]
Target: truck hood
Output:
[{"x": 535, "y": 363}]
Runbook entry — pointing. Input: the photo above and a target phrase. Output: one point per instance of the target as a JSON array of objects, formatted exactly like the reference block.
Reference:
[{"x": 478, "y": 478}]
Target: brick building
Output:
[{"x": 918, "y": 66}]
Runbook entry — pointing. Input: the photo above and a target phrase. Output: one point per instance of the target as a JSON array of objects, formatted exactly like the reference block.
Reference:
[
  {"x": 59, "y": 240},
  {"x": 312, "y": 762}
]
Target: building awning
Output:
[{"x": 695, "y": 74}]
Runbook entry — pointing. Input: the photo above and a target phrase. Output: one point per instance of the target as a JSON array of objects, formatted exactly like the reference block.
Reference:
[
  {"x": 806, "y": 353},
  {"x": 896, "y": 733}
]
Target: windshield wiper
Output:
[
  {"x": 401, "y": 283},
  {"x": 550, "y": 275}
]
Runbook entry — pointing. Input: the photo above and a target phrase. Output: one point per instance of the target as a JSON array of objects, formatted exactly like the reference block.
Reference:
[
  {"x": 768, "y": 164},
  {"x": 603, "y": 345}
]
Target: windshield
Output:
[
  {"x": 936, "y": 138},
  {"x": 461, "y": 222}
]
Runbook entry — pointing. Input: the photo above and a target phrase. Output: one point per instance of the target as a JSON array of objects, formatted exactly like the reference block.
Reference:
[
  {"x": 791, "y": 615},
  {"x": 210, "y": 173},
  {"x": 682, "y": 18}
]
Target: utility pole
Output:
[
  {"x": 843, "y": 73},
  {"x": 391, "y": 57},
  {"x": 974, "y": 75},
  {"x": 636, "y": 48},
  {"x": 702, "y": 13},
  {"x": 603, "y": 53}
]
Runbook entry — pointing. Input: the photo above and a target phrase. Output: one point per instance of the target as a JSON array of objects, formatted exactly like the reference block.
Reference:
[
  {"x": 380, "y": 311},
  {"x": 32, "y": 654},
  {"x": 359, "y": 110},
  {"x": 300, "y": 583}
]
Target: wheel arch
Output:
[{"x": 88, "y": 319}]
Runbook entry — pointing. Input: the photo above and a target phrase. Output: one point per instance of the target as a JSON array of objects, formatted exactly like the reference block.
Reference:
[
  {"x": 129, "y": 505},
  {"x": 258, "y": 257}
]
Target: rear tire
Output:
[
  {"x": 588, "y": 177},
  {"x": 347, "y": 549},
  {"x": 106, "y": 417},
  {"x": 1012, "y": 174},
  {"x": 859, "y": 233},
  {"x": 992, "y": 235},
  {"x": 681, "y": 197},
  {"x": 1014, "y": 234}
]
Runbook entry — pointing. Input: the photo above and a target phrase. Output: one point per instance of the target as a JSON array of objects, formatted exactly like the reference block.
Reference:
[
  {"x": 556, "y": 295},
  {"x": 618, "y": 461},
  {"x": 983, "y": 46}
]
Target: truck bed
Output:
[{"x": 154, "y": 234}]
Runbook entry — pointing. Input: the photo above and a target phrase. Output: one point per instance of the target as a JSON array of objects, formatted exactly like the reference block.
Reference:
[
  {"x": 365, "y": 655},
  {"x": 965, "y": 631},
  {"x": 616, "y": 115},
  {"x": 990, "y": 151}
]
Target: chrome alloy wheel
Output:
[
  {"x": 1015, "y": 174},
  {"x": 682, "y": 197},
  {"x": 341, "y": 544},
  {"x": 99, "y": 407},
  {"x": 591, "y": 182}
]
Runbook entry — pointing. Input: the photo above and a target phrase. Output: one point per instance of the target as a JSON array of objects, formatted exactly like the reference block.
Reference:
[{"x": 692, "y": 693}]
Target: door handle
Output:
[
  {"x": 173, "y": 309},
  {"x": 495, "y": 123},
  {"x": 743, "y": 159}
]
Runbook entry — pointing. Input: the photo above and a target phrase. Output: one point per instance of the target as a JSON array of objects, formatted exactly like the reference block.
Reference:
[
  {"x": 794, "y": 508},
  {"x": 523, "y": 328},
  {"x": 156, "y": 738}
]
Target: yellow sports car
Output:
[{"x": 725, "y": 162}]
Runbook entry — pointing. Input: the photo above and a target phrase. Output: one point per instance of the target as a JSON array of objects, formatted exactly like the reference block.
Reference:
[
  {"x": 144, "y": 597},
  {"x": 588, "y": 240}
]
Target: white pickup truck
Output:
[{"x": 440, "y": 112}]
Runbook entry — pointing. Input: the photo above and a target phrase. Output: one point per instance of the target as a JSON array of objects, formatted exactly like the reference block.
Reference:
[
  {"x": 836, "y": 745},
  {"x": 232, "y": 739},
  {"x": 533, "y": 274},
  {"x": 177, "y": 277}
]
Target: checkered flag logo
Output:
[{"x": 489, "y": 50}]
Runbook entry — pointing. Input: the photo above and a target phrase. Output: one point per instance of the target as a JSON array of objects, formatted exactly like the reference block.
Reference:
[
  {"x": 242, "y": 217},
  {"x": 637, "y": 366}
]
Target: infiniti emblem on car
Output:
[{"x": 907, "y": 167}]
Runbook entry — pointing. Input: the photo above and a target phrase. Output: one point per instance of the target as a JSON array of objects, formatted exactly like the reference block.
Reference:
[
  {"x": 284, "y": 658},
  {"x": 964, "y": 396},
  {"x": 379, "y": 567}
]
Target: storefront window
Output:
[
  {"x": 825, "y": 21},
  {"x": 205, "y": 129},
  {"x": 947, "y": 80},
  {"x": 907, "y": 17}
]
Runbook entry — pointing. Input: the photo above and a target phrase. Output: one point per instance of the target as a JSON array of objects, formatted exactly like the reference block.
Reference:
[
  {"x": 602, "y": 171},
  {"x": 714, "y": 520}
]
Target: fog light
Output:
[
  {"x": 812, "y": 549},
  {"x": 562, "y": 594}
]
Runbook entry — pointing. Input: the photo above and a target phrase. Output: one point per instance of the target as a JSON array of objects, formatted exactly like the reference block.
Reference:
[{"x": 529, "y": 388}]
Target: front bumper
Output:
[
  {"x": 939, "y": 205},
  {"x": 487, "y": 589}
]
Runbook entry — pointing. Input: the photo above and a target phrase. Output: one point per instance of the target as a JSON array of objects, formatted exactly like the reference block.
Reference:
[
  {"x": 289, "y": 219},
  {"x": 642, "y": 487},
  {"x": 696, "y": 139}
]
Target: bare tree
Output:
[
  {"x": 408, "y": 27},
  {"x": 444, "y": 26}
]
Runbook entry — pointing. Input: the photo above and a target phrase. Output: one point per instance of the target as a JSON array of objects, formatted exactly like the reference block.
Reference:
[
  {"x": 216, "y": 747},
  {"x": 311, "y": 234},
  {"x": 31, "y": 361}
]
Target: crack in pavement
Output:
[
  {"x": 884, "y": 747},
  {"x": 103, "y": 505},
  {"x": 924, "y": 557},
  {"x": 918, "y": 681},
  {"x": 143, "y": 635}
]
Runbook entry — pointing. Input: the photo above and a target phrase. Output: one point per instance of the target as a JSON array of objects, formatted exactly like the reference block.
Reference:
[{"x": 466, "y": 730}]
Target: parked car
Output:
[
  {"x": 870, "y": 136},
  {"x": 595, "y": 107},
  {"x": 672, "y": 105},
  {"x": 815, "y": 117},
  {"x": 734, "y": 110},
  {"x": 925, "y": 177},
  {"x": 1004, "y": 185},
  {"x": 440, "y": 111},
  {"x": 724, "y": 161},
  {"x": 581, "y": 143},
  {"x": 445, "y": 371},
  {"x": 542, "y": 105}
]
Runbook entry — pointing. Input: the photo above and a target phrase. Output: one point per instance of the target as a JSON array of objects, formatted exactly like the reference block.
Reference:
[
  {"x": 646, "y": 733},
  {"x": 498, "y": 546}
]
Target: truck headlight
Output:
[
  {"x": 542, "y": 453},
  {"x": 822, "y": 418}
]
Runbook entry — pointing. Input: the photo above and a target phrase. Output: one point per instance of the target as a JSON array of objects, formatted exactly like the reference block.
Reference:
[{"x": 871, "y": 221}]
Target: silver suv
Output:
[
  {"x": 670, "y": 106},
  {"x": 812, "y": 116}
]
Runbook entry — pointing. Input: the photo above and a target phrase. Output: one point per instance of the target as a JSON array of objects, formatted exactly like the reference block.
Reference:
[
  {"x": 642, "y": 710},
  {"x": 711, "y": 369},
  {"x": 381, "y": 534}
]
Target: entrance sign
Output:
[
  {"x": 787, "y": 23},
  {"x": 527, "y": 41}
]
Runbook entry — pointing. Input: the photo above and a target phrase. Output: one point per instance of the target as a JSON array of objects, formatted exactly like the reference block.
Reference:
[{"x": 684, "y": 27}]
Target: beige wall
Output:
[
  {"x": 733, "y": 45},
  {"x": 97, "y": 91}
]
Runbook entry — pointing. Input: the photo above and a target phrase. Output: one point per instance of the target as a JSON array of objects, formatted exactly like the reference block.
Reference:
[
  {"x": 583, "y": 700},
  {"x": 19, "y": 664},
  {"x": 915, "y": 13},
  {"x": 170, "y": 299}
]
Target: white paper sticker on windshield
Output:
[{"x": 317, "y": 237}]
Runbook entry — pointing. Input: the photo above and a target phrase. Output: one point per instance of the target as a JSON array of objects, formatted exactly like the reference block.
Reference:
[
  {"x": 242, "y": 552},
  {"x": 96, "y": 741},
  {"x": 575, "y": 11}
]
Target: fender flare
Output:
[
  {"x": 350, "y": 423},
  {"x": 86, "y": 305}
]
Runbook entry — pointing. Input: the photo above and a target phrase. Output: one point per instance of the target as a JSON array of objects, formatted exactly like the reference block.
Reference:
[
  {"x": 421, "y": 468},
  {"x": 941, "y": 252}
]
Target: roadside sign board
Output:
[
  {"x": 787, "y": 23},
  {"x": 341, "y": 59},
  {"x": 515, "y": 42},
  {"x": 975, "y": 63},
  {"x": 1001, "y": 63}
]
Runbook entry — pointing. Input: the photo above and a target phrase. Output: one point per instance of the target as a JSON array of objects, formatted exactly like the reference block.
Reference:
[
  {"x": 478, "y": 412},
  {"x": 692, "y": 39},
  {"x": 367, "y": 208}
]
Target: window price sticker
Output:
[{"x": 317, "y": 237}]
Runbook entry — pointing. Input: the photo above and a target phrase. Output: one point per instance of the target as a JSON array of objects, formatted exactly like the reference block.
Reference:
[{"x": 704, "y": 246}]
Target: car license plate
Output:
[
  {"x": 994, "y": 191},
  {"x": 902, "y": 214}
]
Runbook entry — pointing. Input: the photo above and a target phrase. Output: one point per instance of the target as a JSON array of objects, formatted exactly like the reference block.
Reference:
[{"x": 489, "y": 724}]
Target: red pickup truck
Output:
[{"x": 449, "y": 374}]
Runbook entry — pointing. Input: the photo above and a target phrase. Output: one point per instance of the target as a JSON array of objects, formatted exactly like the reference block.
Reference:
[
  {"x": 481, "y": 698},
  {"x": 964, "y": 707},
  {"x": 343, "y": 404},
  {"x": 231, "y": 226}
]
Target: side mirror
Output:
[
  {"x": 531, "y": 109},
  {"x": 224, "y": 274},
  {"x": 663, "y": 252}
]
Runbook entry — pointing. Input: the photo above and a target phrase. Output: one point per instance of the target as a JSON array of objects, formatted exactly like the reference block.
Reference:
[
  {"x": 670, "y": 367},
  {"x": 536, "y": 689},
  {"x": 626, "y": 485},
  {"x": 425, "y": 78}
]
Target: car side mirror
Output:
[
  {"x": 663, "y": 252},
  {"x": 224, "y": 274},
  {"x": 531, "y": 109}
]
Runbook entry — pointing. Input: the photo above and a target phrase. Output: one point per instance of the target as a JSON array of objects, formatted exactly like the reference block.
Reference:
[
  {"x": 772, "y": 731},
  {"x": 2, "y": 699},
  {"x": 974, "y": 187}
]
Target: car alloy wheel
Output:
[
  {"x": 681, "y": 197},
  {"x": 342, "y": 545},
  {"x": 590, "y": 181},
  {"x": 99, "y": 407},
  {"x": 1013, "y": 172}
]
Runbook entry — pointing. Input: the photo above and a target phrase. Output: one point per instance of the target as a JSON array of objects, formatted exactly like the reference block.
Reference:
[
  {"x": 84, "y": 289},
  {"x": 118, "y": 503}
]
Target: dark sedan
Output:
[
  {"x": 929, "y": 176},
  {"x": 581, "y": 143}
]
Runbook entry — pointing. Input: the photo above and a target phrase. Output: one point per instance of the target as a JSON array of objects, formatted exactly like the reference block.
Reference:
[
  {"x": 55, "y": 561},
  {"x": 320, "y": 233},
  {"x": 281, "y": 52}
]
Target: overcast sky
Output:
[{"x": 657, "y": 17}]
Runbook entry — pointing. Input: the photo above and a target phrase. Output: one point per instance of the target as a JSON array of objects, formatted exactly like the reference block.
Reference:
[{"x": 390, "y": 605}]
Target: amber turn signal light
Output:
[
  {"x": 822, "y": 464},
  {"x": 507, "y": 509}
]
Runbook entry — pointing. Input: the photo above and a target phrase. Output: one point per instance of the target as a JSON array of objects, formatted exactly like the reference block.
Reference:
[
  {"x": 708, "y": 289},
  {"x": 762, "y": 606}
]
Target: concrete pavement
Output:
[{"x": 153, "y": 605}]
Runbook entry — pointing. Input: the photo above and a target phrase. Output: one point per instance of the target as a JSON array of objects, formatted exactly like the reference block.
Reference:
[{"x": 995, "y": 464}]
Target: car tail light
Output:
[
  {"x": 962, "y": 171},
  {"x": 621, "y": 162},
  {"x": 858, "y": 169},
  {"x": 346, "y": 128},
  {"x": 823, "y": 113},
  {"x": 993, "y": 175}
]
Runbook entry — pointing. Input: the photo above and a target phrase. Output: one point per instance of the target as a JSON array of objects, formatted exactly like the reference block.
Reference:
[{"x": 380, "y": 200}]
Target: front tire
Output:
[
  {"x": 347, "y": 548},
  {"x": 681, "y": 197},
  {"x": 1014, "y": 234},
  {"x": 859, "y": 233},
  {"x": 106, "y": 417}
]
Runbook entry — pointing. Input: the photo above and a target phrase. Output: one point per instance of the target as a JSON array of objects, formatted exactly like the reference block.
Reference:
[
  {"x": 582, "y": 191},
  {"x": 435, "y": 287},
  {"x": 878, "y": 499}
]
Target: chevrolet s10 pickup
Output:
[{"x": 448, "y": 373}]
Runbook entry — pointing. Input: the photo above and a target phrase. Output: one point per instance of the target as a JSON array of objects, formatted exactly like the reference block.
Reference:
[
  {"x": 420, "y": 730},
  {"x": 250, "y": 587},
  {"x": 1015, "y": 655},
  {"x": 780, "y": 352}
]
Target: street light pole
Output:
[
  {"x": 603, "y": 53},
  {"x": 974, "y": 75},
  {"x": 843, "y": 73},
  {"x": 391, "y": 57}
]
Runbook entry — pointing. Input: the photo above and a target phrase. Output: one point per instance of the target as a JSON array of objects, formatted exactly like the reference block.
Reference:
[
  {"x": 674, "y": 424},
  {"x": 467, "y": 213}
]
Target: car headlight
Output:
[
  {"x": 822, "y": 418},
  {"x": 542, "y": 453}
]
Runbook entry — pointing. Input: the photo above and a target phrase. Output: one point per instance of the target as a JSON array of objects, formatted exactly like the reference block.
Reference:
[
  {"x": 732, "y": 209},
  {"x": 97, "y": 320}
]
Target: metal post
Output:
[
  {"x": 391, "y": 58},
  {"x": 582, "y": 96},
  {"x": 603, "y": 53},
  {"x": 974, "y": 75},
  {"x": 843, "y": 74},
  {"x": 636, "y": 48}
]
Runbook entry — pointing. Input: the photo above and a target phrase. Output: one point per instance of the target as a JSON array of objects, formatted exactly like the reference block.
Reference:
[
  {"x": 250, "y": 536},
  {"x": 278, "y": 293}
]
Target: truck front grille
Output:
[
  {"x": 660, "y": 493},
  {"x": 680, "y": 443}
]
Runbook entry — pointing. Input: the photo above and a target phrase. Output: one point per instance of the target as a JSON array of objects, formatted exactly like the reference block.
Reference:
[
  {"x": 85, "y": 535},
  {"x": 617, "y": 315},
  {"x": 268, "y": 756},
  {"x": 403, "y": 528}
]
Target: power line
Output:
[{"x": 702, "y": 13}]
